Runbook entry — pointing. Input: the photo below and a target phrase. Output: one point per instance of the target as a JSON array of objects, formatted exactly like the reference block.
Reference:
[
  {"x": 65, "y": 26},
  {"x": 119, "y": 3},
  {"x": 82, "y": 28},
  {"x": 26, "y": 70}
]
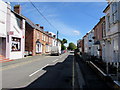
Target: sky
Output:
[{"x": 72, "y": 19}]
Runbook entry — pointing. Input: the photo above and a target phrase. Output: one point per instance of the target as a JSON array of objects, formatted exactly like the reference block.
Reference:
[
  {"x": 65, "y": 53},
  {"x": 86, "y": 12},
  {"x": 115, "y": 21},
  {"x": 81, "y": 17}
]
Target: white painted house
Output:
[
  {"x": 3, "y": 30},
  {"x": 86, "y": 46},
  {"x": 12, "y": 34},
  {"x": 91, "y": 42},
  {"x": 112, "y": 39}
]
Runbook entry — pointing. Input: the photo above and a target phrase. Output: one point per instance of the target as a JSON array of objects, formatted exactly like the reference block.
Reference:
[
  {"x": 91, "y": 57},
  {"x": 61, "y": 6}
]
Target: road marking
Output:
[
  {"x": 55, "y": 60},
  {"x": 19, "y": 64},
  {"x": 38, "y": 70},
  {"x": 73, "y": 73}
]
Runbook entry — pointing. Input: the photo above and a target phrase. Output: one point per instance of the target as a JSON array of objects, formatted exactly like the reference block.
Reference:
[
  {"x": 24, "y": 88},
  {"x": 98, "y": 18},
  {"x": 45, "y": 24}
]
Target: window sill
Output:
[{"x": 15, "y": 51}]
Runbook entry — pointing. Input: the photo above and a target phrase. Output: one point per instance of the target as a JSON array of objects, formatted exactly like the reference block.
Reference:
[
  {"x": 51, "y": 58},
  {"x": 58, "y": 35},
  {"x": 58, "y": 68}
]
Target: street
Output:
[
  {"x": 51, "y": 45},
  {"x": 45, "y": 72},
  {"x": 50, "y": 72}
]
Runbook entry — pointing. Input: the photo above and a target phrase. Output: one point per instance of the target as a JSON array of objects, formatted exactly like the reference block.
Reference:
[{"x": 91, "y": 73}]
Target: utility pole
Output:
[{"x": 57, "y": 38}]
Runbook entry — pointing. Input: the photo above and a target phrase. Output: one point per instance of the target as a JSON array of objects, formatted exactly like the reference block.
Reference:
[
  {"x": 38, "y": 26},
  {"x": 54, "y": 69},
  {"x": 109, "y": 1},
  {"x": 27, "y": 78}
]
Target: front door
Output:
[{"x": 3, "y": 46}]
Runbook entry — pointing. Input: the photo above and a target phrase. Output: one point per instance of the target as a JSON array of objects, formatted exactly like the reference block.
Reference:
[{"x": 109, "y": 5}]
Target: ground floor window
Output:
[
  {"x": 16, "y": 44},
  {"x": 47, "y": 48}
]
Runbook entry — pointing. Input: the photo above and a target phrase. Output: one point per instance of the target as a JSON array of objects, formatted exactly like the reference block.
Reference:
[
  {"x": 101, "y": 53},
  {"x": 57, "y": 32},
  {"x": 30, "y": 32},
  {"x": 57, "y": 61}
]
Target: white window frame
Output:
[
  {"x": 38, "y": 47},
  {"x": 114, "y": 12},
  {"x": 42, "y": 36}
]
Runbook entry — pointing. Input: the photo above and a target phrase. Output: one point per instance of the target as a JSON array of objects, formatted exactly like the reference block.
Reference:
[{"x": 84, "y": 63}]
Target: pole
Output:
[
  {"x": 57, "y": 38},
  {"x": 57, "y": 44},
  {"x": 118, "y": 66},
  {"x": 107, "y": 68}
]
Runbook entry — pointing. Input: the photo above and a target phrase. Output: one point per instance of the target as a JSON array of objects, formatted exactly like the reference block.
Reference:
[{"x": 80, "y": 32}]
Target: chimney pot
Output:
[
  {"x": 17, "y": 9},
  {"x": 38, "y": 25},
  {"x": 47, "y": 32},
  {"x": 41, "y": 27},
  {"x": 54, "y": 36}
]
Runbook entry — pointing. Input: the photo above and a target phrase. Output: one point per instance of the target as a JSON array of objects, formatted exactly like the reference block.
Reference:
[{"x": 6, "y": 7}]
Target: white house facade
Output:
[
  {"x": 112, "y": 39},
  {"x": 91, "y": 42},
  {"x": 12, "y": 34},
  {"x": 3, "y": 29}
]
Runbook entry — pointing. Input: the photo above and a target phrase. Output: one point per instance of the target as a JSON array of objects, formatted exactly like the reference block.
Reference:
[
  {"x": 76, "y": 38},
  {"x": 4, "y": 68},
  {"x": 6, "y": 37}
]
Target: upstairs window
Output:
[
  {"x": 38, "y": 35},
  {"x": 103, "y": 29},
  {"x": 108, "y": 22},
  {"x": 19, "y": 22},
  {"x": 114, "y": 12},
  {"x": 44, "y": 37}
]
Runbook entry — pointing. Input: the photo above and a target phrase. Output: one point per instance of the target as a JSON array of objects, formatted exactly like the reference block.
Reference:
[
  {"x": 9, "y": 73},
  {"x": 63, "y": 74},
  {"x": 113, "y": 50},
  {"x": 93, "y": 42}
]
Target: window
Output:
[
  {"x": 103, "y": 29},
  {"x": 38, "y": 35},
  {"x": 18, "y": 22},
  {"x": 108, "y": 22},
  {"x": 16, "y": 44},
  {"x": 38, "y": 46},
  {"x": 49, "y": 40},
  {"x": 114, "y": 12},
  {"x": 115, "y": 44},
  {"x": 43, "y": 37},
  {"x": 47, "y": 48}
]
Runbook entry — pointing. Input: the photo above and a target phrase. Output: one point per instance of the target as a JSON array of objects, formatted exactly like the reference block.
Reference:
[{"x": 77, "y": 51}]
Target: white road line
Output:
[
  {"x": 38, "y": 70},
  {"x": 55, "y": 60}
]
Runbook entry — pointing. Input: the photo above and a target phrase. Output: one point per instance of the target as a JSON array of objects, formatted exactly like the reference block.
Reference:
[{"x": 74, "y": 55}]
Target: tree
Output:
[
  {"x": 64, "y": 41},
  {"x": 72, "y": 46},
  {"x": 63, "y": 47}
]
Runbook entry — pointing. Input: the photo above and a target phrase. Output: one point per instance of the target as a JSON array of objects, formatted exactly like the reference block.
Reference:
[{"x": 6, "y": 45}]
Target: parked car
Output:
[{"x": 55, "y": 50}]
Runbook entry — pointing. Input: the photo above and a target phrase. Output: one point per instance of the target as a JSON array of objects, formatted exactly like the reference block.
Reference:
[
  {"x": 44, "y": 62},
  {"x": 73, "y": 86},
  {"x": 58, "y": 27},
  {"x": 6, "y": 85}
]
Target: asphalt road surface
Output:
[
  {"x": 40, "y": 72},
  {"x": 50, "y": 72}
]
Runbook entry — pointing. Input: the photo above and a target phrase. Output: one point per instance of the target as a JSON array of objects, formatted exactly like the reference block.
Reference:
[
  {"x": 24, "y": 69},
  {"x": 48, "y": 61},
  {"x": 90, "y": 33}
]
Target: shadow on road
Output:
[
  {"x": 56, "y": 76},
  {"x": 92, "y": 80}
]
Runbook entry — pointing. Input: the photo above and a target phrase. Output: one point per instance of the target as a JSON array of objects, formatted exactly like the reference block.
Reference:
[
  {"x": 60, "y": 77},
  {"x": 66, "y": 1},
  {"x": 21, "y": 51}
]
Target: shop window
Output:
[{"x": 16, "y": 44}]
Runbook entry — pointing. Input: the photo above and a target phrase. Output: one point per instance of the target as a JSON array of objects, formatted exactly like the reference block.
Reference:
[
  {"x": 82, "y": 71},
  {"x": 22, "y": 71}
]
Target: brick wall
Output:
[
  {"x": 36, "y": 35},
  {"x": 98, "y": 32},
  {"x": 28, "y": 38}
]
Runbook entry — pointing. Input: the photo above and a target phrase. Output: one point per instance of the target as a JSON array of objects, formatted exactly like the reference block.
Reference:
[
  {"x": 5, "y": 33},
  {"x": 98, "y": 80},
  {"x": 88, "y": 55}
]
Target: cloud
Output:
[{"x": 76, "y": 32}]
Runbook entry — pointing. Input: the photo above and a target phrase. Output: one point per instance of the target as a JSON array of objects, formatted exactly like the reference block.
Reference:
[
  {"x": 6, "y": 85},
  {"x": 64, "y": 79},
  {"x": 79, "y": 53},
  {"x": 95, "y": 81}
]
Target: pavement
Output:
[{"x": 90, "y": 79}]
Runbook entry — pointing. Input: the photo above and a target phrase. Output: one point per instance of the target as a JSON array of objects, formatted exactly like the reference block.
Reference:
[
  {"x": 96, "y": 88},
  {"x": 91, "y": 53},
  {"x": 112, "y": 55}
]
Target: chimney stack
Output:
[
  {"x": 47, "y": 32},
  {"x": 17, "y": 9},
  {"x": 50, "y": 34},
  {"x": 42, "y": 27},
  {"x": 38, "y": 25},
  {"x": 54, "y": 36}
]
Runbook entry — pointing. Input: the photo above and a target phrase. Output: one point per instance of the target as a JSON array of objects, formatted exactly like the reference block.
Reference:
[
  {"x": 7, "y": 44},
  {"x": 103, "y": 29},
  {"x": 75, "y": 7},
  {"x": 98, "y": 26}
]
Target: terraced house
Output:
[
  {"x": 12, "y": 34},
  {"x": 112, "y": 38},
  {"x": 37, "y": 41},
  {"x": 98, "y": 37}
]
